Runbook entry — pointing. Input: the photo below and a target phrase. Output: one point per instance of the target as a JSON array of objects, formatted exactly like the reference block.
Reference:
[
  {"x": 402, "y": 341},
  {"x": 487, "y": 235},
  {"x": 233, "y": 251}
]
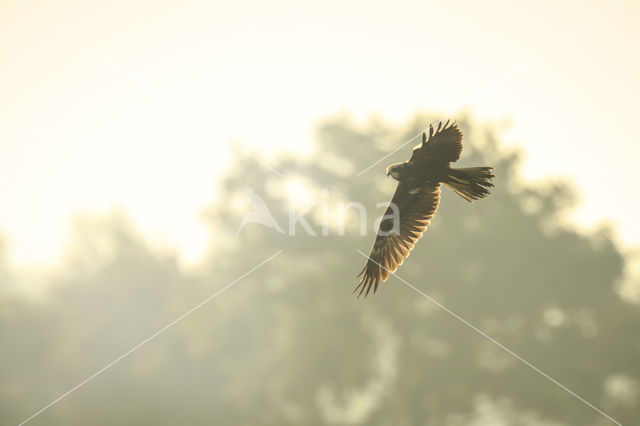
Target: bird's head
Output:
[{"x": 396, "y": 170}]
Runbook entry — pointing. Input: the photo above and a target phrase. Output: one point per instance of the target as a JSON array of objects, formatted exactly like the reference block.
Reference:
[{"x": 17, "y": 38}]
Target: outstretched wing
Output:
[
  {"x": 445, "y": 143},
  {"x": 416, "y": 207}
]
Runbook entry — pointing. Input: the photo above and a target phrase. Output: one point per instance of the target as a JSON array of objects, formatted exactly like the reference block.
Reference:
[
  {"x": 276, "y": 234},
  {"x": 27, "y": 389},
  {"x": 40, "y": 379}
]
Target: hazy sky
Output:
[{"x": 133, "y": 104}]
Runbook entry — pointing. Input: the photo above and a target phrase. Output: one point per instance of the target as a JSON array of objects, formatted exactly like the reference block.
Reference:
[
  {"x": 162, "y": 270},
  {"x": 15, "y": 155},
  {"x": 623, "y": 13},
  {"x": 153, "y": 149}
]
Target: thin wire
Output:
[
  {"x": 476, "y": 329},
  {"x": 401, "y": 146},
  {"x": 588, "y": 22},
  {"x": 148, "y": 339},
  {"x": 263, "y": 163},
  {"x": 520, "y": 67}
]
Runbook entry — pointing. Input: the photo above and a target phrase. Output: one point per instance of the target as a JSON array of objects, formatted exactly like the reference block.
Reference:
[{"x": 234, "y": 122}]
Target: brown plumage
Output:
[{"x": 417, "y": 197}]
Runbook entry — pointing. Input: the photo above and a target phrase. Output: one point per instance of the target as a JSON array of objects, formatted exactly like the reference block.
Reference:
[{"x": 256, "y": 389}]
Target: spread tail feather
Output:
[{"x": 471, "y": 183}]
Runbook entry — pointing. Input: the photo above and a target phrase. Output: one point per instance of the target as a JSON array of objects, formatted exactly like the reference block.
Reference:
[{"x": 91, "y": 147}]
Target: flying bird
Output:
[{"x": 417, "y": 198}]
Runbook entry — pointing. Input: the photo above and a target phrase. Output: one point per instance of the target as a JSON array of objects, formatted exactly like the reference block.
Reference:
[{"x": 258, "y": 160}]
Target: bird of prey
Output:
[{"x": 417, "y": 198}]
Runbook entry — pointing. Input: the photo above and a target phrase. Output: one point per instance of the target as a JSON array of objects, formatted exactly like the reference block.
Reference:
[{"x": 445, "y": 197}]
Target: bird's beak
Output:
[{"x": 388, "y": 173}]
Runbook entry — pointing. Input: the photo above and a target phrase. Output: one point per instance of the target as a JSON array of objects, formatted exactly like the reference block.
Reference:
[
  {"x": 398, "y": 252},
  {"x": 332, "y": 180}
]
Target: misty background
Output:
[
  {"x": 290, "y": 344},
  {"x": 132, "y": 132}
]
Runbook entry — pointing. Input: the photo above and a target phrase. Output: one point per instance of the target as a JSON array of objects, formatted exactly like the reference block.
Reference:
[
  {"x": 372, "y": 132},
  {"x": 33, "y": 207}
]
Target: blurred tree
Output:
[{"x": 290, "y": 344}]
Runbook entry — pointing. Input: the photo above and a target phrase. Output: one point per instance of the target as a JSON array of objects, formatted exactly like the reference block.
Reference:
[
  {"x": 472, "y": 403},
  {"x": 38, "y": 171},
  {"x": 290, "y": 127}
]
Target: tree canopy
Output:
[{"x": 289, "y": 343}]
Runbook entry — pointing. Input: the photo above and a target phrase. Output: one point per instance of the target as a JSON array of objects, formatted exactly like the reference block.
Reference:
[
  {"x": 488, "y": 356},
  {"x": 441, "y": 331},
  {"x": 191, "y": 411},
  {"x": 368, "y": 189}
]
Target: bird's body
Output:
[
  {"x": 416, "y": 173},
  {"x": 417, "y": 198}
]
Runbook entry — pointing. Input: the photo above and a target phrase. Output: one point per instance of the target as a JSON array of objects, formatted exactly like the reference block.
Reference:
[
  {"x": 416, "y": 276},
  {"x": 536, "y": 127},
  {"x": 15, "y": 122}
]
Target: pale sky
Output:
[{"x": 132, "y": 105}]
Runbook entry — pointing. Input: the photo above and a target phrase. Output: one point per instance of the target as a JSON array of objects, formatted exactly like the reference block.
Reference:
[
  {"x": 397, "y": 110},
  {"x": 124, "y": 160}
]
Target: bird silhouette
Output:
[{"x": 417, "y": 198}]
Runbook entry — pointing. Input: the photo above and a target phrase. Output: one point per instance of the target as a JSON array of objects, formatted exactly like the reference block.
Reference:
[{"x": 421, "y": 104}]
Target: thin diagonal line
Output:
[
  {"x": 263, "y": 163},
  {"x": 39, "y": 15},
  {"x": 561, "y": 39},
  {"x": 523, "y": 67},
  {"x": 401, "y": 146},
  {"x": 590, "y": 21},
  {"x": 148, "y": 339},
  {"x": 476, "y": 329}
]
